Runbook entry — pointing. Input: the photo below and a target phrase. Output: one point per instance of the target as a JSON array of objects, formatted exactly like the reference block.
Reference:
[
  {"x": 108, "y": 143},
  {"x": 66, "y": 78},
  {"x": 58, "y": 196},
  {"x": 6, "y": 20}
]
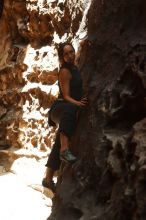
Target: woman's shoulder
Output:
[
  {"x": 65, "y": 73},
  {"x": 64, "y": 70},
  {"x": 68, "y": 67}
]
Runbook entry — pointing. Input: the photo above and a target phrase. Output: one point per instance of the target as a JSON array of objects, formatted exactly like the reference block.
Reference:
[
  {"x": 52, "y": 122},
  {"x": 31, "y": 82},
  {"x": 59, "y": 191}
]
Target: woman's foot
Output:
[
  {"x": 50, "y": 185},
  {"x": 67, "y": 156}
]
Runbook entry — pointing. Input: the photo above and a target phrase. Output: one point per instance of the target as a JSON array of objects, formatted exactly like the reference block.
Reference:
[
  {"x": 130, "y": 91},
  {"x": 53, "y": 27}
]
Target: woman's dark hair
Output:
[{"x": 60, "y": 50}]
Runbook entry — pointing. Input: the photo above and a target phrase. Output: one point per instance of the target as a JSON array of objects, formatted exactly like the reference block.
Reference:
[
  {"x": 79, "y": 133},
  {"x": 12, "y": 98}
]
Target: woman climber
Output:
[{"x": 64, "y": 112}]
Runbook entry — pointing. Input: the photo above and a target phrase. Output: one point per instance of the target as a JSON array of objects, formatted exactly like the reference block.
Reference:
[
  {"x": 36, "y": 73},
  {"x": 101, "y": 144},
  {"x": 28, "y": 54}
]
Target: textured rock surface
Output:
[{"x": 108, "y": 181}]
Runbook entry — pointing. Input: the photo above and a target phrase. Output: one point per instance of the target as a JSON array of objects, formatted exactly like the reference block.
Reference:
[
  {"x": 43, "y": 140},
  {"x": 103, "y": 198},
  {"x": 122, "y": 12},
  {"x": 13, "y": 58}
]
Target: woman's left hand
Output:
[{"x": 84, "y": 101}]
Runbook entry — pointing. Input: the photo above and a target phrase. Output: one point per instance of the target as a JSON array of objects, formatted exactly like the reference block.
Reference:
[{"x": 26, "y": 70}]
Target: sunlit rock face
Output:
[
  {"x": 108, "y": 180},
  {"x": 30, "y": 31}
]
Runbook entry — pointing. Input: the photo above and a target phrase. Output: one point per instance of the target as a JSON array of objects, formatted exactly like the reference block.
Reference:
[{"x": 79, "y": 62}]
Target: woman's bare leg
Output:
[
  {"x": 49, "y": 174},
  {"x": 64, "y": 140},
  {"x": 65, "y": 153},
  {"x": 48, "y": 180}
]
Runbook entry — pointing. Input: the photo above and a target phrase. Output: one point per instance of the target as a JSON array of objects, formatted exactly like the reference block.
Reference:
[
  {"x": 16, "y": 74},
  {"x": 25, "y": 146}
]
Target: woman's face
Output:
[{"x": 69, "y": 54}]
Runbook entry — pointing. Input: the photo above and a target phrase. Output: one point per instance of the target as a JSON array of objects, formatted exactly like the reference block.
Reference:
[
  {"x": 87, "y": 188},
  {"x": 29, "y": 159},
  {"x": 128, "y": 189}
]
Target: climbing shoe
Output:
[
  {"x": 67, "y": 156},
  {"x": 50, "y": 185}
]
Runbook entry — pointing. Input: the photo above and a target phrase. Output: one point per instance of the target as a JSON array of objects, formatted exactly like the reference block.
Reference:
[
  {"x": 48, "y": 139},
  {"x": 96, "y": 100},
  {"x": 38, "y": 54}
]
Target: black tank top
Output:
[{"x": 75, "y": 82}]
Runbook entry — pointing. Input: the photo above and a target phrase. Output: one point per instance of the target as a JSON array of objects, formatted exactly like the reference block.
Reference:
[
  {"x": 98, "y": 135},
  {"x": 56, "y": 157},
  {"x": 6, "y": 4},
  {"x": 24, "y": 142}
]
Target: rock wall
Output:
[{"x": 108, "y": 181}]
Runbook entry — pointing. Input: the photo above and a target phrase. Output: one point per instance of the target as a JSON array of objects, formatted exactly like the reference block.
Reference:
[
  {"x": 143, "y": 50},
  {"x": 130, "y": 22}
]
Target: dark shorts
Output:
[{"x": 64, "y": 114}]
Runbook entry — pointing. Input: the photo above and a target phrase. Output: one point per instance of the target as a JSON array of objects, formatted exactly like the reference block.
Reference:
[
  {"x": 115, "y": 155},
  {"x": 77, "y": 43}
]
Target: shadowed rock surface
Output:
[{"x": 108, "y": 181}]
